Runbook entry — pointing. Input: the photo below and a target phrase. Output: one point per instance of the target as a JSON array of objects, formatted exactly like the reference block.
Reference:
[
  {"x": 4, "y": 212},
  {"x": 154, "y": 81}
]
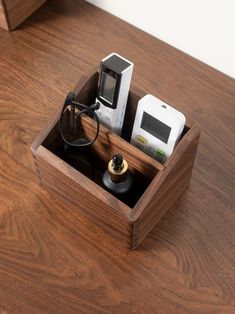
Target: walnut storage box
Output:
[{"x": 158, "y": 185}]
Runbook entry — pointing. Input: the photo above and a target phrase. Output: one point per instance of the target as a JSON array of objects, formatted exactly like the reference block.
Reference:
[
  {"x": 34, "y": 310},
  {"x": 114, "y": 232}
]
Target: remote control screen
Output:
[
  {"x": 155, "y": 127},
  {"x": 107, "y": 88}
]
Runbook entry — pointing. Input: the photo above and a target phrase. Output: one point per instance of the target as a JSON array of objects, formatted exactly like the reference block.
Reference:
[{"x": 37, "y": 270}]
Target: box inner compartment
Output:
[{"x": 93, "y": 161}]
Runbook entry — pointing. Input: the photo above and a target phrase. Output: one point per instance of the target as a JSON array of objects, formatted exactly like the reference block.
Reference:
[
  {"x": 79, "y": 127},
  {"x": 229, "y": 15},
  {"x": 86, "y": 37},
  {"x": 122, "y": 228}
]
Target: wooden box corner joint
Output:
[{"x": 160, "y": 185}]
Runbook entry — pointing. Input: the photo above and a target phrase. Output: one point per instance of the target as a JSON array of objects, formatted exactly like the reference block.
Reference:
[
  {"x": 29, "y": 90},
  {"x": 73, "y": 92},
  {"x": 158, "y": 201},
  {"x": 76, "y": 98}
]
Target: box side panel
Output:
[
  {"x": 86, "y": 89},
  {"x": 3, "y": 16},
  {"x": 166, "y": 187},
  {"x": 75, "y": 196},
  {"x": 17, "y": 10}
]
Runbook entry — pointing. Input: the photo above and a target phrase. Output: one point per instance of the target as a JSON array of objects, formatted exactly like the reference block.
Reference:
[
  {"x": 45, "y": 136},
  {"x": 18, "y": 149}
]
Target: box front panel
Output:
[{"x": 87, "y": 204}]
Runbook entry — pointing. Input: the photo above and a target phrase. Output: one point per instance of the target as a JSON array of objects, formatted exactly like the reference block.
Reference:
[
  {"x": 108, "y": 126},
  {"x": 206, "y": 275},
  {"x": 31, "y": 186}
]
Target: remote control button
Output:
[
  {"x": 141, "y": 140},
  {"x": 149, "y": 151},
  {"x": 160, "y": 155},
  {"x": 160, "y": 152}
]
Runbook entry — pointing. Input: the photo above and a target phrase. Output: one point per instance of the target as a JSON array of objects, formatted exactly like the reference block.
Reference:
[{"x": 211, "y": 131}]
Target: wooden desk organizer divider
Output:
[{"x": 158, "y": 186}]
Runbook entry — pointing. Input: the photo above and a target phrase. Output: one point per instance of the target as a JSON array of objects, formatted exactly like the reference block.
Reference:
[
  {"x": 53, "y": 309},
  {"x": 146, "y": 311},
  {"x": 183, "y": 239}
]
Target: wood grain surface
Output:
[{"x": 47, "y": 265}]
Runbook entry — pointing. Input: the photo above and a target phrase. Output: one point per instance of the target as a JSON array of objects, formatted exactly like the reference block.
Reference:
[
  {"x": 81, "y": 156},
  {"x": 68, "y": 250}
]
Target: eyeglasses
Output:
[{"x": 72, "y": 130}]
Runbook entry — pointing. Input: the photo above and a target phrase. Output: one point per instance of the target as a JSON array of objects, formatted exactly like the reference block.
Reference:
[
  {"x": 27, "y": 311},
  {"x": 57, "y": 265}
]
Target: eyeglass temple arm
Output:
[
  {"x": 72, "y": 113},
  {"x": 73, "y": 119},
  {"x": 70, "y": 99}
]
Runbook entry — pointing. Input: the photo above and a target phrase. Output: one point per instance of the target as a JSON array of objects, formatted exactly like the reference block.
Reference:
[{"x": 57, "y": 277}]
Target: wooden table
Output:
[{"x": 47, "y": 264}]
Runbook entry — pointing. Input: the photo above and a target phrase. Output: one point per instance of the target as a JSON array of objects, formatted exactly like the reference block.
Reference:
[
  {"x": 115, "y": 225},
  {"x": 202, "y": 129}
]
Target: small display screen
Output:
[
  {"x": 155, "y": 127},
  {"x": 107, "y": 88}
]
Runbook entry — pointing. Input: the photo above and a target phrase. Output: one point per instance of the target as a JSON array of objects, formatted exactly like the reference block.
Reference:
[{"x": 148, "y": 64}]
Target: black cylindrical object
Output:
[{"x": 118, "y": 179}]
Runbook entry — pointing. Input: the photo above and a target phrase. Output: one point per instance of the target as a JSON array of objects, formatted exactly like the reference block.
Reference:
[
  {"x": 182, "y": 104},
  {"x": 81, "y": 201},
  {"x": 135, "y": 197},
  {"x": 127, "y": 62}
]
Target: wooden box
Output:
[
  {"x": 157, "y": 186},
  {"x": 14, "y": 12}
]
